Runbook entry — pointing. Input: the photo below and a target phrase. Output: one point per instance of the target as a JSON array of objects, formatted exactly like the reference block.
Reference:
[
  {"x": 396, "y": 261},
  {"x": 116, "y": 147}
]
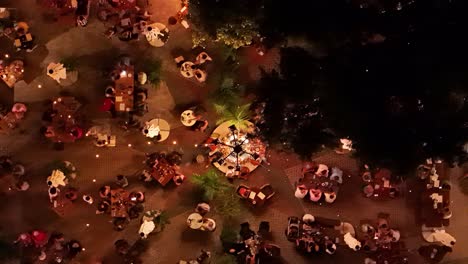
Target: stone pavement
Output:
[{"x": 95, "y": 54}]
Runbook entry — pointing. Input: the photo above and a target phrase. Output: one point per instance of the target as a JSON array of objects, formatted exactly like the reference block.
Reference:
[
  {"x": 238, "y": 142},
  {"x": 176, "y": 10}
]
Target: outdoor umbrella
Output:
[{"x": 57, "y": 178}]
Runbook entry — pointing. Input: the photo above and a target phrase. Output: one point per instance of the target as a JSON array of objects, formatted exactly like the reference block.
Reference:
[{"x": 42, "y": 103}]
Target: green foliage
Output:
[
  {"x": 238, "y": 115},
  {"x": 153, "y": 69},
  {"x": 228, "y": 234},
  {"x": 199, "y": 38},
  {"x": 227, "y": 93},
  {"x": 226, "y": 259},
  {"x": 69, "y": 63},
  {"x": 227, "y": 203},
  {"x": 210, "y": 183},
  {"x": 237, "y": 34},
  {"x": 162, "y": 220},
  {"x": 59, "y": 165}
]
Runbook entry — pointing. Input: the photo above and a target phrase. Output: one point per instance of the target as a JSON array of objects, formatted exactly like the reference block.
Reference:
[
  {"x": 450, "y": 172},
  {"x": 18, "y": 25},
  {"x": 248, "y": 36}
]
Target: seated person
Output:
[
  {"x": 103, "y": 207},
  {"x": 244, "y": 192},
  {"x": 203, "y": 208},
  {"x": 105, "y": 192},
  {"x": 200, "y": 125},
  {"x": 178, "y": 179},
  {"x": 48, "y": 131},
  {"x": 71, "y": 194}
]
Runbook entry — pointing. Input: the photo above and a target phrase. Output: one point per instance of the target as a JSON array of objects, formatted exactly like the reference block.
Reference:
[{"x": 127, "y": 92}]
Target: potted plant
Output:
[{"x": 209, "y": 182}]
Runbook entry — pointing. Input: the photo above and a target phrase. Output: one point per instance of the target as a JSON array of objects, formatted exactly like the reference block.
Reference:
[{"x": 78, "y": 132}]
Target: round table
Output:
[
  {"x": 222, "y": 132},
  {"x": 195, "y": 221},
  {"x": 188, "y": 118},
  {"x": 157, "y": 126},
  {"x": 186, "y": 69},
  {"x": 155, "y": 34}
]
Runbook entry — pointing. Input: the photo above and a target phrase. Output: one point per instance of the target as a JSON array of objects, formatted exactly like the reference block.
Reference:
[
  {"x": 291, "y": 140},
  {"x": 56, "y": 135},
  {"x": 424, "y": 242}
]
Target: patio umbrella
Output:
[
  {"x": 57, "y": 178},
  {"x": 146, "y": 228}
]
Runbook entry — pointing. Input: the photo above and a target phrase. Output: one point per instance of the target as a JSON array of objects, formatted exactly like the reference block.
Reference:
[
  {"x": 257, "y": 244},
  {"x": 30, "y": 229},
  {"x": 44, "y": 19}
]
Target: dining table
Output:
[
  {"x": 164, "y": 172},
  {"x": 324, "y": 184},
  {"x": 156, "y": 34},
  {"x": 434, "y": 217},
  {"x": 187, "y": 69},
  {"x": 124, "y": 88},
  {"x": 195, "y": 221},
  {"x": 188, "y": 118},
  {"x": 256, "y": 197},
  {"x": 119, "y": 203},
  {"x": 156, "y": 127}
]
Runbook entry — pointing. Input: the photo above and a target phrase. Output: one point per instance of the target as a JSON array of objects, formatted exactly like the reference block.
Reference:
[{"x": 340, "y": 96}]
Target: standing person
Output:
[
  {"x": 74, "y": 247},
  {"x": 39, "y": 238},
  {"x": 53, "y": 194},
  {"x": 24, "y": 240},
  {"x": 122, "y": 181},
  {"x": 203, "y": 208}
]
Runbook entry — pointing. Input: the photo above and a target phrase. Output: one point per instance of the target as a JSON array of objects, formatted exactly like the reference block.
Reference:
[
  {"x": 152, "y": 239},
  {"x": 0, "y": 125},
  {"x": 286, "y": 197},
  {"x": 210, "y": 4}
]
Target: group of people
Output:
[
  {"x": 253, "y": 247},
  {"x": 311, "y": 238},
  {"x": 13, "y": 174},
  {"x": 129, "y": 22},
  {"x": 153, "y": 160},
  {"x": 53, "y": 248}
]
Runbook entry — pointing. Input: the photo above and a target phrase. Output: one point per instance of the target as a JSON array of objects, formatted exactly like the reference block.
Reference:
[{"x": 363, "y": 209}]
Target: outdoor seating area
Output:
[
  {"x": 318, "y": 183},
  {"x": 435, "y": 203},
  {"x": 21, "y": 36},
  {"x": 198, "y": 221},
  {"x": 254, "y": 247},
  {"x": 236, "y": 152},
  {"x": 13, "y": 176},
  {"x": 11, "y": 72},
  {"x": 62, "y": 122},
  {"x": 255, "y": 195},
  {"x": 11, "y": 120},
  {"x": 43, "y": 247},
  {"x": 195, "y": 69},
  {"x": 163, "y": 168},
  {"x": 380, "y": 183},
  {"x": 381, "y": 242},
  {"x": 313, "y": 235}
]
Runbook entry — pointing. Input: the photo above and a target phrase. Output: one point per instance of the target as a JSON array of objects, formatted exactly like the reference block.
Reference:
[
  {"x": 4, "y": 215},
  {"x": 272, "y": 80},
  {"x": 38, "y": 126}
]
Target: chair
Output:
[
  {"x": 315, "y": 195},
  {"x": 264, "y": 229},
  {"x": 267, "y": 190},
  {"x": 245, "y": 232},
  {"x": 322, "y": 170},
  {"x": 336, "y": 175},
  {"x": 300, "y": 192},
  {"x": 243, "y": 191},
  {"x": 330, "y": 197}
]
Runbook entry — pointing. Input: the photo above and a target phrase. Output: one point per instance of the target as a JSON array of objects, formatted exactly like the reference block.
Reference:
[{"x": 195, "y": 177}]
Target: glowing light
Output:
[
  {"x": 69, "y": 116},
  {"x": 174, "y": 142},
  {"x": 196, "y": 145},
  {"x": 129, "y": 145},
  {"x": 94, "y": 180},
  {"x": 97, "y": 156},
  {"x": 39, "y": 86},
  {"x": 87, "y": 225},
  {"x": 149, "y": 142},
  {"x": 83, "y": 249},
  {"x": 7, "y": 55}
]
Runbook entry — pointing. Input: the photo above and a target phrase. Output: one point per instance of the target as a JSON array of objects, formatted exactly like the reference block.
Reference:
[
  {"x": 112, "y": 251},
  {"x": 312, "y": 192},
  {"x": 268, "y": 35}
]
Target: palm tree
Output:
[
  {"x": 238, "y": 116},
  {"x": 227, "y": 93},
  {"x": 209, "y": 182},
  {"x": 227, "y": 203}
]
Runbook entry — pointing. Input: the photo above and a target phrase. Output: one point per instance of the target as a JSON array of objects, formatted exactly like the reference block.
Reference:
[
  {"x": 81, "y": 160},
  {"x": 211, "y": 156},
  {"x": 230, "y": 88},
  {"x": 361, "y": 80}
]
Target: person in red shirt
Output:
[{"x": 39, "y": 238}]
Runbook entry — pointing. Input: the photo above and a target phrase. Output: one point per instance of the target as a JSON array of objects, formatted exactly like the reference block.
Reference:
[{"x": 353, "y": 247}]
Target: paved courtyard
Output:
[{"x": 94, "y": 54}]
